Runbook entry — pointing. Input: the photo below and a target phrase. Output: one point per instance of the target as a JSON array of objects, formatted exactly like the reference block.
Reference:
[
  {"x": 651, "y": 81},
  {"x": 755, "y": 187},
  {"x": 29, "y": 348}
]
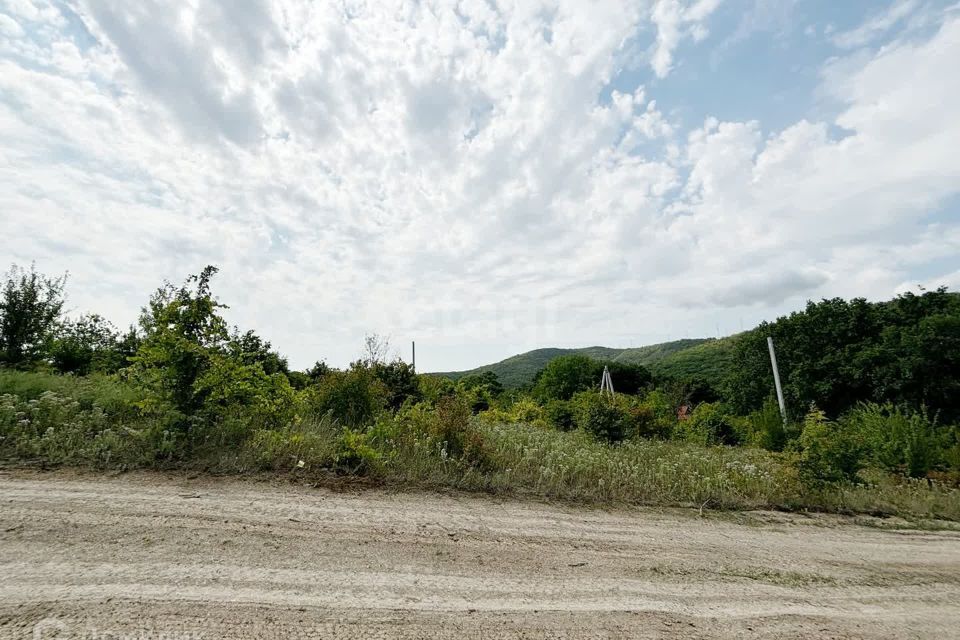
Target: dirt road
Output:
[{"x": 154, "y": 556}]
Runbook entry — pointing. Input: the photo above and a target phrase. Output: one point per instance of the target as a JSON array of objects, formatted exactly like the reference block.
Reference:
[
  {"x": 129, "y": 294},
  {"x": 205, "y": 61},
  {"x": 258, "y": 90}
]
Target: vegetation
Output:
[
  {"x": 872, "y": 428},
  {"x": 520, "y": 370}
]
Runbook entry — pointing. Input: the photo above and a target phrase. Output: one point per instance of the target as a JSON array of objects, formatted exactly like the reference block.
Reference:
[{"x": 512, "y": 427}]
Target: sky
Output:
[{"x": 482, "y": 176}]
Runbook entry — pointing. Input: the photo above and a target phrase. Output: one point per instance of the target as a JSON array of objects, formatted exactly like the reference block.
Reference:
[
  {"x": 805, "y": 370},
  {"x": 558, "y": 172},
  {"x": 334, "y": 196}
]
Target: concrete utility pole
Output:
[
  {"x": 606, "y": 383},
  {"x": 413, "y": 354},
  {"x": 776, "y": 380}
]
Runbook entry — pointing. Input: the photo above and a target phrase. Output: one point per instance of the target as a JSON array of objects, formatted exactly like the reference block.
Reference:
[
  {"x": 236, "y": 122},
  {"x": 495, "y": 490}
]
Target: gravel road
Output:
[{"x": 148, "y": 555}]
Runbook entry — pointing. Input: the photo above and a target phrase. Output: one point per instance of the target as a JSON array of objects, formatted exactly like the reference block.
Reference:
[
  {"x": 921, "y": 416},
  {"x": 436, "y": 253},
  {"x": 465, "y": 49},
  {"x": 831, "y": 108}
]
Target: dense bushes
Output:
[
  {"x": 709, "y": 424},
  {"x": 186, "y": 390}
]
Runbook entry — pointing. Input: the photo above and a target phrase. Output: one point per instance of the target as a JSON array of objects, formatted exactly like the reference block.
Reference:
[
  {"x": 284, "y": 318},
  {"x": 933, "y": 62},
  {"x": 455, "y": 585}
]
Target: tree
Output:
[
  {"x": 836, "y": 353},
  {"x": 399, "y": 380},
  {"x": 353, "y": 397},
  {"x": 480, "y": 390},
  {"x": 182, "y": 330},
  {"x": 30, "y": 306},
  {"x": 566, "y": 375},
  {"x": 249, "y": 348},
  {"x": 190, "y": 359},
  {"x": 89, "y": 343}
]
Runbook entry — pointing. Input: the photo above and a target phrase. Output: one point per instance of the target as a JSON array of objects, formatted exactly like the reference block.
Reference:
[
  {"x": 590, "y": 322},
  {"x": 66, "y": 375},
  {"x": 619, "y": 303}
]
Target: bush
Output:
[
  {"x": 399, "y": 381},
  {"x": 560, "y": 414},
  {"x": 709, "y": 424},
  {"x": 896, "y": 438},
  {"x": 527, "y": 411},
  {"x": 765, "y": 428},
  {"x": 353, "y": 398},
  {"x": 602, "y": 416},
  {"x": 829, "y": 452}
]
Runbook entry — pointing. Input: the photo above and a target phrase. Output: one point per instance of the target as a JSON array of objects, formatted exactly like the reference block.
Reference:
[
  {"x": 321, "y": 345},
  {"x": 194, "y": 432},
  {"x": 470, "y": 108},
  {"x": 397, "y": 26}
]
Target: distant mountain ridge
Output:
[{"x": 704, "y": 357}]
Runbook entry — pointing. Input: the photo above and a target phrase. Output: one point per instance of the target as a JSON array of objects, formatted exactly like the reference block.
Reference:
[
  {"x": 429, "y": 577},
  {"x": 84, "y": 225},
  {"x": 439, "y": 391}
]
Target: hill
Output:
[{"x": 707, "y": 357}]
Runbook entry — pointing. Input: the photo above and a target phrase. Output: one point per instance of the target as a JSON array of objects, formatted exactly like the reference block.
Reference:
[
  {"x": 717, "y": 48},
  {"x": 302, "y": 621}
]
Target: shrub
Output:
[
  {"x": 765, "y": 428},
  {"x": 560, "y": 414},
  {"x": 709, "y": 424},
  {"x": 355, "y": 454},
  {"x": 896, "y": 438},
  {"x": 399, "y": 381},
  {"x": 602, "y": 416},
  {"x": 353, "y": 397},
  {"x": 829, "y": 451},
  {"x": 527, "y": 411}
]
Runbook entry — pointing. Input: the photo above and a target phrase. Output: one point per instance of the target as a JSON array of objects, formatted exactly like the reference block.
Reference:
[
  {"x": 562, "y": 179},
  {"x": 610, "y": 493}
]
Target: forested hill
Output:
[{"x": 705, "y": 357}]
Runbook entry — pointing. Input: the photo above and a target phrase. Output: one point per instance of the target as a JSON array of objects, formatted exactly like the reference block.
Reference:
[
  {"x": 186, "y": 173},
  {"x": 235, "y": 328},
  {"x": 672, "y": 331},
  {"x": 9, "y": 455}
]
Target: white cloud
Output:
[
  {"x": 675, "y": 20},
  {"x": 10, "y": 27},
  {"x": 876, "y": 25},
  {"x": 452, "y": 173}
]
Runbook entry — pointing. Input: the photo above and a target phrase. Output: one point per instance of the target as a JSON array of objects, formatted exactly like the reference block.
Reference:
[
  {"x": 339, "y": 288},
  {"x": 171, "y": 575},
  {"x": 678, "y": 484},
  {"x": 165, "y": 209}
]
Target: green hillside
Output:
[
  {"x": 710, "y": 360},
  {"x": 707, "y": 357}
]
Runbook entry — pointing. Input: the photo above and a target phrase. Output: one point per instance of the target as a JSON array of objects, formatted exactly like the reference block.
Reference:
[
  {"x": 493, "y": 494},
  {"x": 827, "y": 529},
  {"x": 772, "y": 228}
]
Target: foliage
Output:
[
  {"x": 30, "y": 305},
  {"x": 709, "y": 424},
  {"x": 829, "y": 451},
  {"x": 482, "y": 390},
  {"x": 87, "y": 344},
  {"x": 353, "y": 397},
  {"x": 187, "y": 391},
  {"x": 183, "y": 332},
  {"x": 567, "y": 375},
  {"x": 398, "y": 379},
  {"x": 837, "y": 353},
  {"x": 764, "y": 428},
  {"x": 433, "y": 387},
  {"x": 708, "y": 362},
  {"x": 250, "y": 349},
  {"x": 895, "y": 438},
  {"x": 601, "y": 417},
  {"x": 560, "y": 414}
]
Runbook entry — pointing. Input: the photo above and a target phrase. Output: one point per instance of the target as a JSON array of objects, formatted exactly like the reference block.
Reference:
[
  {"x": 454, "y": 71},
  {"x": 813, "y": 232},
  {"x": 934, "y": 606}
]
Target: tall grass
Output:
[{"x": 61, "y": 421}]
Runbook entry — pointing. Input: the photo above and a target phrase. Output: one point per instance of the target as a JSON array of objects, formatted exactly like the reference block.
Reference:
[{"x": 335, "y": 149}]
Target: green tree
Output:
[
  {"x": 191, "y": 362},
  {"x": 183, "y": 330},
  {"x": 30, "y": 306},
  {"x": 249, "y": 348},
  {"x": 353, "y": 398},
  {"x": 836, "y": 353},
  {"x": 89, "y": 343},
  {"x": 399, "y": 379},
  {"x": 480, "y": 390},
  {"x": 565, "y": 376}
]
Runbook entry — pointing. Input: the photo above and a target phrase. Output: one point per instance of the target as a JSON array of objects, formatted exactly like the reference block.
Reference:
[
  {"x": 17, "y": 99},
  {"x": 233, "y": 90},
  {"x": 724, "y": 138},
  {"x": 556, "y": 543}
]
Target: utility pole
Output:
[
  {"x": 413, "y": 354},
  {"x": 606, "y": 383},
  {"x": 776, "y": 380}
]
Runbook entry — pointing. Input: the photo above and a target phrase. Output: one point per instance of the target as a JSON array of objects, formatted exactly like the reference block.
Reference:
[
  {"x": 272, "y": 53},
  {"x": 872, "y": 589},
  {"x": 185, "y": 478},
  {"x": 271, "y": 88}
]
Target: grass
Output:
[{"x": 61, "y": 421}]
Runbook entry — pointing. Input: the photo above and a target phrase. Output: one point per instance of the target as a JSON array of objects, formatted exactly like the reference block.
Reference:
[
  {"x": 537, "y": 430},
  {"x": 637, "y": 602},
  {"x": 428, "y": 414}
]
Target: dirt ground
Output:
[{"x": 162, "y": 556}]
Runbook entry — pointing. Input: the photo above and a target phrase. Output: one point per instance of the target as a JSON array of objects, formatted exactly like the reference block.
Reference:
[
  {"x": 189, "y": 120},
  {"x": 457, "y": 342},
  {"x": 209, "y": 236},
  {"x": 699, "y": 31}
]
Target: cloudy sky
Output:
[{"x": 482, "y": 176}]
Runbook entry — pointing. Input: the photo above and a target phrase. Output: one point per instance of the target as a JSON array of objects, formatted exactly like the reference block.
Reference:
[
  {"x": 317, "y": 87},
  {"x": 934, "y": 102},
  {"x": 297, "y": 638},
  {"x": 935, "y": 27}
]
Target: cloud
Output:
[
  {"x": 876, "y": 25},
  {"x": 674, "y": 21},
  {"x": 478, "y": 177}
]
